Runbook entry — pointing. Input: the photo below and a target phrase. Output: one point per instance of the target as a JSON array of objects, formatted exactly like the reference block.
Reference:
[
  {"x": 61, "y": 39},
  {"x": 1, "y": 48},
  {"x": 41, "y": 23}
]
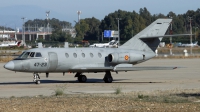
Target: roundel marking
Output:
[{"x": 126, "y": 57}]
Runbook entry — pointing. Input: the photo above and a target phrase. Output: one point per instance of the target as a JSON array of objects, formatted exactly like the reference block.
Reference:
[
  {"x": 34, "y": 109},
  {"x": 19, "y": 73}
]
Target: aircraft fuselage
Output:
[{"x": 76, "y": 59}]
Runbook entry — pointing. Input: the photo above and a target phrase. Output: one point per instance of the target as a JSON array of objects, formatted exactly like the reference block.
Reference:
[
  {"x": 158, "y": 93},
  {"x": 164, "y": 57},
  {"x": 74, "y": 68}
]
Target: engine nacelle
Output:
[{"x": 117, "y": 58}]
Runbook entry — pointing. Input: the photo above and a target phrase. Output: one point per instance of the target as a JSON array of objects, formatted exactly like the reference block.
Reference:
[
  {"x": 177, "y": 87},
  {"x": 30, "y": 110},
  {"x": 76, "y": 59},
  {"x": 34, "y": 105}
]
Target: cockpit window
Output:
[
  {"x": 32, "y": 54},
  {"x": 38, "y": 54},
  {"x": 21, "y": 55},
  {"x": 24, "y": 55}
]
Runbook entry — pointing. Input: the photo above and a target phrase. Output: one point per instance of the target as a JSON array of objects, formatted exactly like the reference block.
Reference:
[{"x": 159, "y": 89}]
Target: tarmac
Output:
[{"x": 186, "y": 76}]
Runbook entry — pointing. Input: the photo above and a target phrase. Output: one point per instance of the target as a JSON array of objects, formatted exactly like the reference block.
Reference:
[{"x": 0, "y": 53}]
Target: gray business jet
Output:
[{"x": 138, "y": 49}]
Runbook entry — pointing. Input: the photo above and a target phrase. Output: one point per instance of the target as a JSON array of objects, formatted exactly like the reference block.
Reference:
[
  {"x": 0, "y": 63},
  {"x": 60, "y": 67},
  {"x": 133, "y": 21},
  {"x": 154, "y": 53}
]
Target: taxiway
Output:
[{"x": 187, "y": 76}]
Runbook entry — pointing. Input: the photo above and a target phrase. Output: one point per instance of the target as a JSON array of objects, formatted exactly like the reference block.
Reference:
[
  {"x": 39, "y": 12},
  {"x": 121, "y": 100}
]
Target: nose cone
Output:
[{"x": 9, "y": 65}]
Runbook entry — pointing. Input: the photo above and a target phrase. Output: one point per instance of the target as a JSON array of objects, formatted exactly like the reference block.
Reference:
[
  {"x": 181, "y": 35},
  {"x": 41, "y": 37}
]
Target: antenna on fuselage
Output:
[{"x": 40, "y": 45}]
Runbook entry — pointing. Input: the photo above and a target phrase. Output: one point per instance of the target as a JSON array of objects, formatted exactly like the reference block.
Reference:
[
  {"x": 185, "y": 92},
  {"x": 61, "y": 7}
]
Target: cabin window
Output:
[
  {"x": 99, "y": 54},
  {"x": 83, "y": 55},
  {"x": 38, "y": 54},
  {"x": 67, "y": 55},
  {"x": 75, "y": 55},
  {"x": 91, "y": 55}
]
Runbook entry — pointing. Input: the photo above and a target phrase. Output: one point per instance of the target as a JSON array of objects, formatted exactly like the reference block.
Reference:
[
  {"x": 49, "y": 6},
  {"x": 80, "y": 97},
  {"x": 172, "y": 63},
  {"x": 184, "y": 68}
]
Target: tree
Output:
[
  {"x": 130, "y": 24},
  {"x": 81, "y": 30},
  {"x": 93, "y": 31},
  {"x": 144, "y": 13},
  {"x": 58, "y": 34}
]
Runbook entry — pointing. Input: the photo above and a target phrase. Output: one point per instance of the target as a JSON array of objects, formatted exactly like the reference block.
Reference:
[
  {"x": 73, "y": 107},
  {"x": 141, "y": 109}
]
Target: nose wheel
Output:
[{"x": 35, "y": 78}]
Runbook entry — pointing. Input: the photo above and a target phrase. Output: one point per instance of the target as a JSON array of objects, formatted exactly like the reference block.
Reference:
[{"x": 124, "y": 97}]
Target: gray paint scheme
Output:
[
  {"x": 157, "y": 28},
  {"x": 138, "y": 49},
  {"x": 53, "y": 61}
]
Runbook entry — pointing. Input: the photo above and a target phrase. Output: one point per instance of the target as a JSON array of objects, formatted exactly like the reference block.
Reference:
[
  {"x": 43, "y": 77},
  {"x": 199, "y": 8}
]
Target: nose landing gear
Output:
[{"x": 35, "y": 78}]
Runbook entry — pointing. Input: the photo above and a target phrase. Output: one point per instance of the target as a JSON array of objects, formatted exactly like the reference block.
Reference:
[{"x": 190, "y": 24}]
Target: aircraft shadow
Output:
[
  {"x": 71, "y": 81},
  {"x": 17, "y": 83}
]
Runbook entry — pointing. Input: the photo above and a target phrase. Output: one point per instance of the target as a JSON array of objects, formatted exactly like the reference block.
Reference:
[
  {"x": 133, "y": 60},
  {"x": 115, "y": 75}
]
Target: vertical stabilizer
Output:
[{"x": 158, "y": 29}]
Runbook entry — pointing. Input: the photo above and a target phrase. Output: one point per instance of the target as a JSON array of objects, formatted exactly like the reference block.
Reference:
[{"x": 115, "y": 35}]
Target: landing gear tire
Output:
[
  {"x": 108, "y": 79},
  {"x": 37, "y": 82},
  {"x": 35, "y": 78},
  {"x": 82, "y": 78}
]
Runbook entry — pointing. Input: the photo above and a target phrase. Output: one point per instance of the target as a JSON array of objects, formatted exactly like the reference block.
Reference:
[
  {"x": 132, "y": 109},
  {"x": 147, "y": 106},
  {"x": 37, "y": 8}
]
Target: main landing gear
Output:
[
  {"x": 81, "y": 77},
  {"x": 108, "y": 77},
  {"x": 35, "y": 78}
]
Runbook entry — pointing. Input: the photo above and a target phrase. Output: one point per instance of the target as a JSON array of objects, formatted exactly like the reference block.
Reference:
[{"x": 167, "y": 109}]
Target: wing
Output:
[
  {"x": 91, "y": 69},
  {"x": 103, "y": 69},
  {"x": 142, "y": 68}
]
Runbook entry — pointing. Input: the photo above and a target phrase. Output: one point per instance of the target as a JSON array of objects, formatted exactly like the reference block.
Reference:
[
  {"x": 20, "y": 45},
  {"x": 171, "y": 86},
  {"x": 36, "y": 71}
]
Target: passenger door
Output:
[{"x": 53, "y": 61}]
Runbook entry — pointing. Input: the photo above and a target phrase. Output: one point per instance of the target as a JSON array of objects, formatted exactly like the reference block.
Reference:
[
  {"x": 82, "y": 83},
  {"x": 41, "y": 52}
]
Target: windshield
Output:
[
  {"x": 24, "y": 55},
  {"x": 30, "y": 55}
]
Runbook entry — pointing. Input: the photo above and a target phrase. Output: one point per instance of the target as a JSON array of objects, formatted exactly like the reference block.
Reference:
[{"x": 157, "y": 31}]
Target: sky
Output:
[{"x": 66, "y": 10}]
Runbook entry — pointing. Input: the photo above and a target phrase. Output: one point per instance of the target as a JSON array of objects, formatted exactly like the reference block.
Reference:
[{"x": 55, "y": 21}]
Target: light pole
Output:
[
  {"x": 4, "y": 30},
  {"x": 171, "y": 40},
  {"x": 79, "y": 13},
  {"x": 110, "y": 30},
  {"x": 171, "y": 34},
  {"x": 23, "y": 31},
  {"x": 47, "y": 15},
  {"x": 196, "y": 32},
  {"x": 118, "y": 31},
  {"x": 190, "y": 19}
]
